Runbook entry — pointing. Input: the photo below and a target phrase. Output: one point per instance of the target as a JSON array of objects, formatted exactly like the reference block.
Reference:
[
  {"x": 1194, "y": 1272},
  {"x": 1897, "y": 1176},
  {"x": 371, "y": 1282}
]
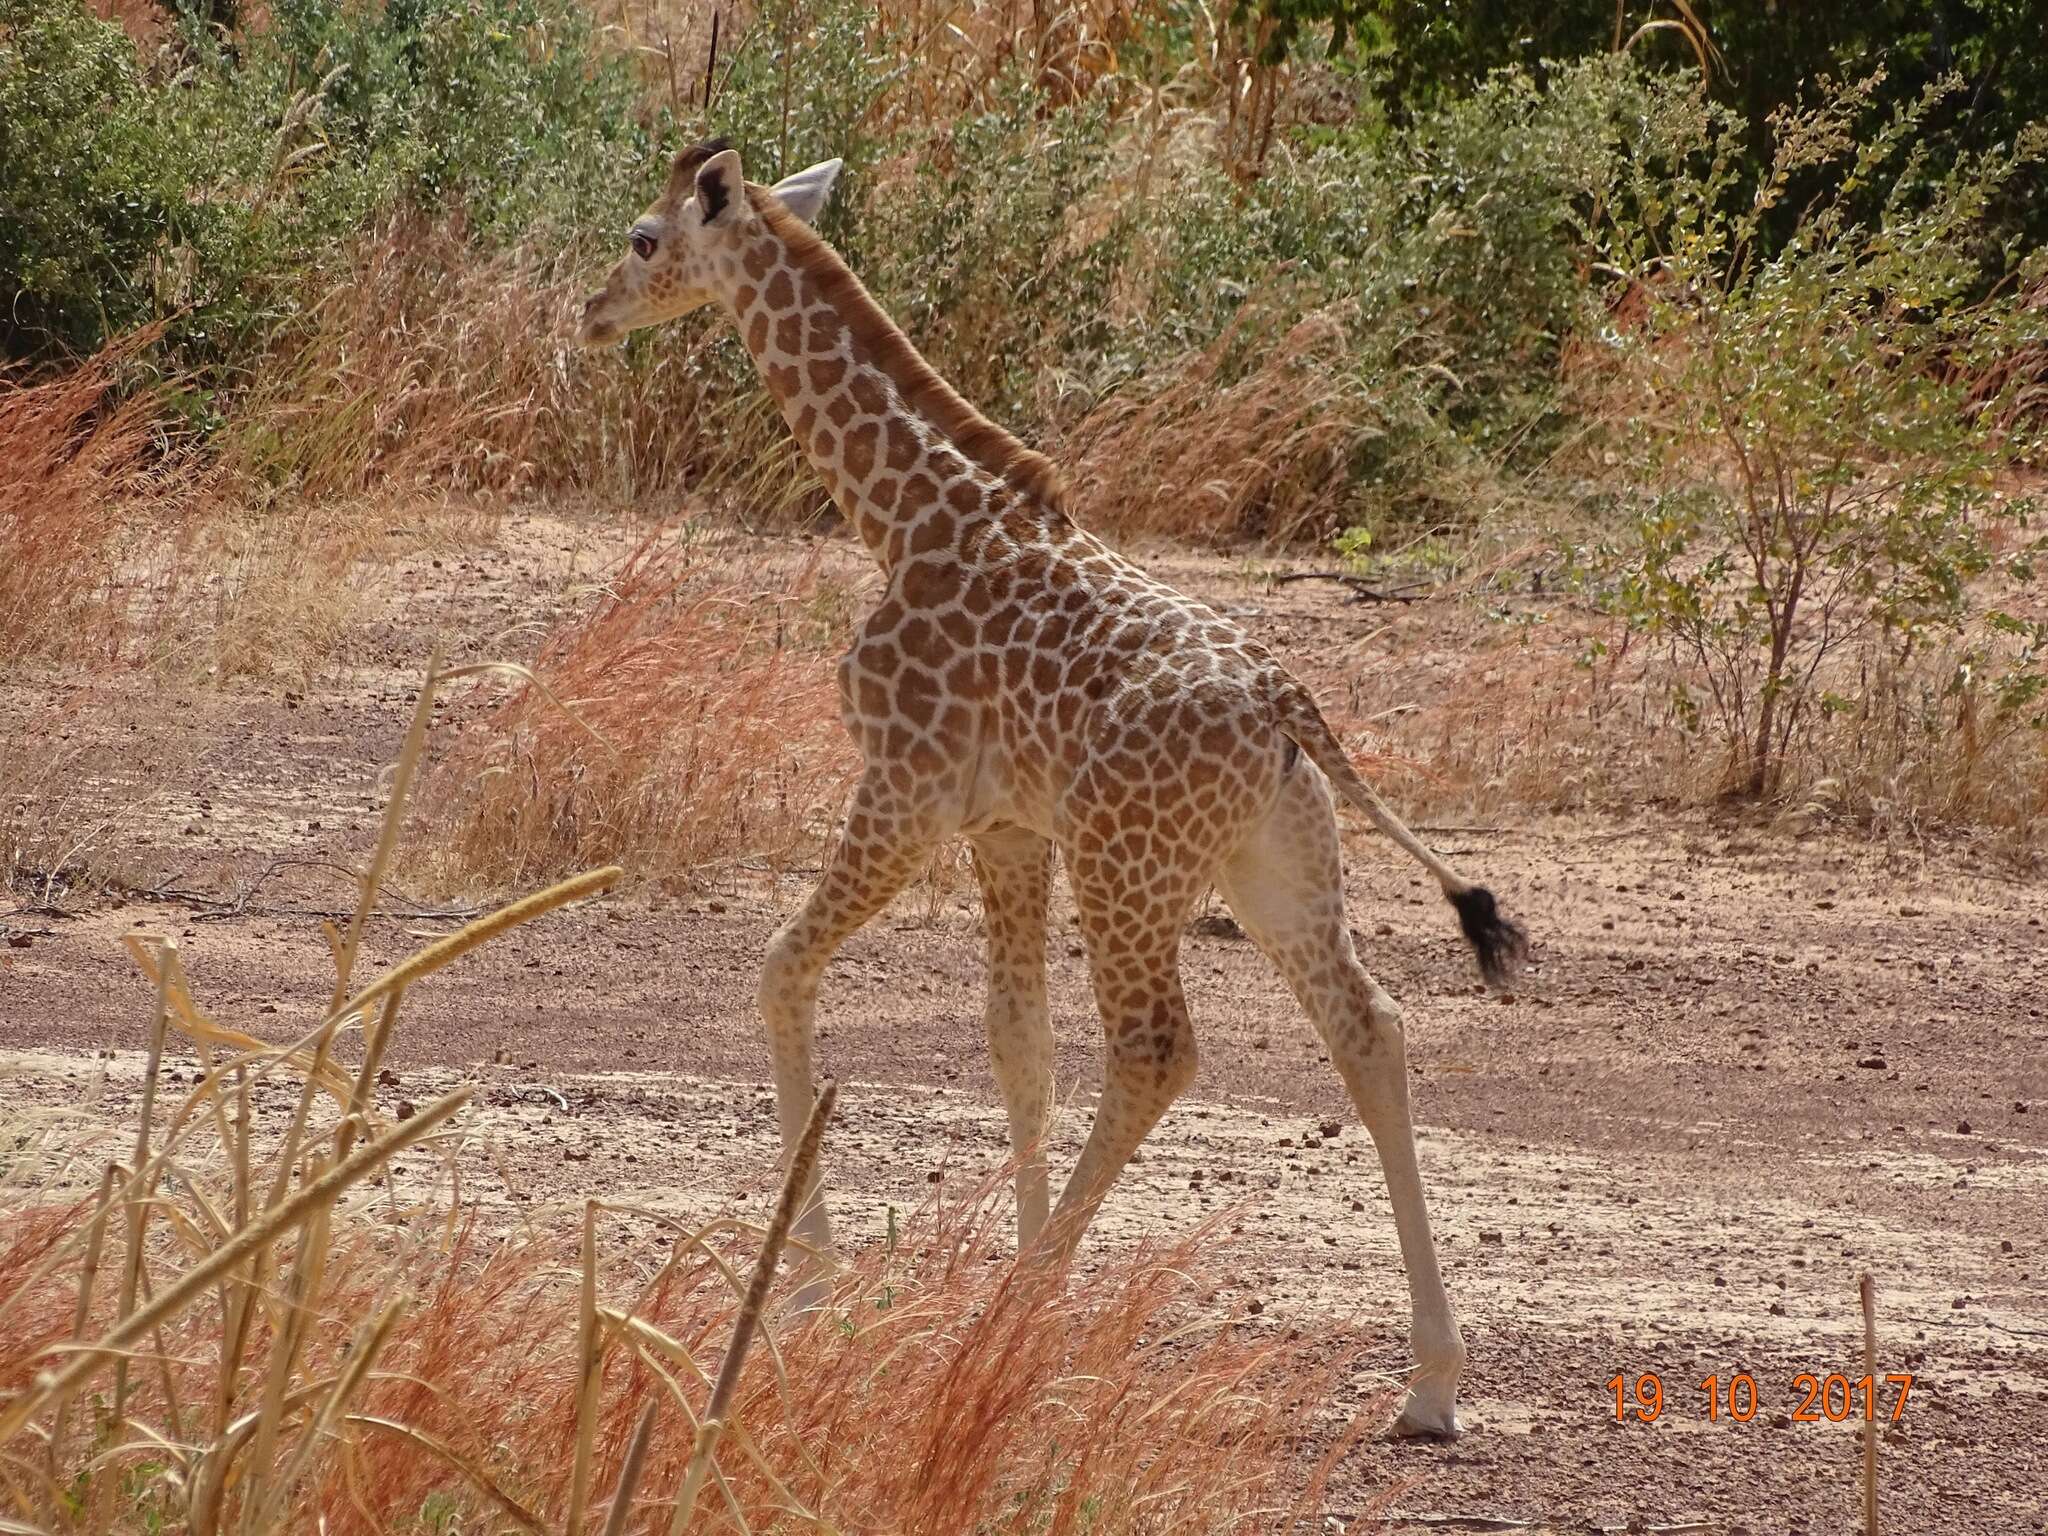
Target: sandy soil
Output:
[{"x": 1744, "y": 1069}]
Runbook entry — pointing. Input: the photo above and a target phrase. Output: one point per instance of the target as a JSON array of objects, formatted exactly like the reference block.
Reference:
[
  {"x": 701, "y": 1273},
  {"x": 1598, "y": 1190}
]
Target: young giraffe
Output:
[{"x": 1025, "y": 686}]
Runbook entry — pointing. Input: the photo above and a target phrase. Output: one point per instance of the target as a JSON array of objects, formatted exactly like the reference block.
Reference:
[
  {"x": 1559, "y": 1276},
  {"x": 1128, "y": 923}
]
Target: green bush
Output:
[
  {"x": 1459, "y": 245},
  {"x": 1804, "y": 457},
  {"x": 211, "y": 188}
]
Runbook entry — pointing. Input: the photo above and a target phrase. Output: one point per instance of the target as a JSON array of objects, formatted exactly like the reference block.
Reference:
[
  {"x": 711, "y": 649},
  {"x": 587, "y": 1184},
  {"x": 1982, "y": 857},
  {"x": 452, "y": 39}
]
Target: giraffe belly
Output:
[{"x": 1009, "y": 786}]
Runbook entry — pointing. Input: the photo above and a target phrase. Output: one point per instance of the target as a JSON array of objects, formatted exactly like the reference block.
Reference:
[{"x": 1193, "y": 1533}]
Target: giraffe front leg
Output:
[
  {"x": 1014, "y": 868},
  {"x": 880, "y": 849}
]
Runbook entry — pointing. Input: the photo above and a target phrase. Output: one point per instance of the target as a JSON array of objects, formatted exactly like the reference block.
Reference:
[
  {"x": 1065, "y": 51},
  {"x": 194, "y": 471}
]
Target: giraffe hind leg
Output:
[
  {"x": 1286, "y": 886},
  {"x": 1131, "y": 914}
]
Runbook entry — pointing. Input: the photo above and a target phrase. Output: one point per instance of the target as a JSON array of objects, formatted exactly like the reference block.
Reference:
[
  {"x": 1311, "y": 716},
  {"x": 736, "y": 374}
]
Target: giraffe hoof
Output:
[{"x": 1420, "y": 1423}]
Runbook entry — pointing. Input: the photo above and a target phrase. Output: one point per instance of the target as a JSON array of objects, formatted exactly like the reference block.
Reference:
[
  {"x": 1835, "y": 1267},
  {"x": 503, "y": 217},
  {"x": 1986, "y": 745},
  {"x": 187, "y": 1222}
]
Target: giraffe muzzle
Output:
[{"x": 593, "y": 328}]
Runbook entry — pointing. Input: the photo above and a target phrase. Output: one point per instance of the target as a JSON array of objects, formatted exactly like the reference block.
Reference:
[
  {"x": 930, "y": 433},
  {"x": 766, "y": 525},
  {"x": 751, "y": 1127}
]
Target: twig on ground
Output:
[
  {"x": 1501, "y": 1523},
  {"x": 237, "y": 904},
  {"x": 1362, "y": 591}
]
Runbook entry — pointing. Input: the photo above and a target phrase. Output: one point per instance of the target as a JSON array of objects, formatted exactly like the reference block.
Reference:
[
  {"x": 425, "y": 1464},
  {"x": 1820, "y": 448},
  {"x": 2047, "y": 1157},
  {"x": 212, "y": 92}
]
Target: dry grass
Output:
[
  {"x": 280, "y": 591},
  {"x": 236, "y": 1333},
  {"x": 939, "y": 61},
  {"x": 1492, "y": 720},
  {"x": 1216, "y": 451},
  {"x": 82, "y": 776},
  {"x": 941, "y": 1392},
  {"x": 693, "y": 722},
  {"x": 117, "y": 551},
  {"x": 1920, "y": 756},
  {"x": 79, "y": 459},
  {"x": 428, "y": 368}
]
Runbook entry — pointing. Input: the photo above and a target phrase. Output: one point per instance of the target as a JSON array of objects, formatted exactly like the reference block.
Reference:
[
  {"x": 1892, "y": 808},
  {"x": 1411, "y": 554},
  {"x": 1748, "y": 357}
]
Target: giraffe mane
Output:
[{"x": 884, "y": 345}]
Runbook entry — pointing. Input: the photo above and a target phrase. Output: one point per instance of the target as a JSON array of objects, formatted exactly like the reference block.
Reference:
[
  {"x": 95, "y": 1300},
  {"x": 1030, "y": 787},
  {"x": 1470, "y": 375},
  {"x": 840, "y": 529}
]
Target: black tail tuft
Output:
[{"x": 1496, "y": 940}]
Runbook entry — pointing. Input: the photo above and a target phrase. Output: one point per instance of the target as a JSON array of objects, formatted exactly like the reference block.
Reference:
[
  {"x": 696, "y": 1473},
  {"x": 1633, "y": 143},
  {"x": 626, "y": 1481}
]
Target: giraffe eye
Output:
[{"x": 642, "y": 243}]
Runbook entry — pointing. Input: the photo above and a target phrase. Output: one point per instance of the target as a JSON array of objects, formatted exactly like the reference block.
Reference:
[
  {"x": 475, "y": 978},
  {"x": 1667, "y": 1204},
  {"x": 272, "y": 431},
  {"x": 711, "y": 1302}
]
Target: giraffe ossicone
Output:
[{"x": 1023, "y": 685}]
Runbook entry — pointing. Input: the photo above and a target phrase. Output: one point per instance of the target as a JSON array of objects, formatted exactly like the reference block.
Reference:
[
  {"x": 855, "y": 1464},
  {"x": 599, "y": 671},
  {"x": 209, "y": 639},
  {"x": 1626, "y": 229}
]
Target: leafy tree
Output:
[
  {"x": 1757, "y": 59},
  {"x": 1804, "y": 456},
  {"x": 210, "y": 191}
]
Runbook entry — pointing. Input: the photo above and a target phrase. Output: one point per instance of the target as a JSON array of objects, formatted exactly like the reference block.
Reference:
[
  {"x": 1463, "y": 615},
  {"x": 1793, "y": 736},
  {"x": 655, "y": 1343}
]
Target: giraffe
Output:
[{"x": 1022, "y": 685}]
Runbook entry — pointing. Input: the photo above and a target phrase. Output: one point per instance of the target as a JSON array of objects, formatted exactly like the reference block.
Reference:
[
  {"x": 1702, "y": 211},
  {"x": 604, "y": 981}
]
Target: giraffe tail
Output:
[{"x": 1497, "y": 941}]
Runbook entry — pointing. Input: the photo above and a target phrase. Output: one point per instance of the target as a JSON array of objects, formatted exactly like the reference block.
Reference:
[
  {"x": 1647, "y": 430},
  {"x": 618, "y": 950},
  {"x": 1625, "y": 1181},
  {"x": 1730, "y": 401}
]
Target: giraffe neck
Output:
[{"x": 902, "y": 456}]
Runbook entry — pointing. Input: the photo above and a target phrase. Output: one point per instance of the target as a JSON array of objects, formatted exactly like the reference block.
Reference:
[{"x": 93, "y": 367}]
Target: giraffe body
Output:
[{"x": 1023, "y": 685}]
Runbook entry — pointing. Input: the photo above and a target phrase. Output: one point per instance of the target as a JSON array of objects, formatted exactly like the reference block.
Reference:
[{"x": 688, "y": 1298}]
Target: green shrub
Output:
[
  {"x": 213, "y": 190},
  {"x": 1458, "y": 245},
  {"x": 1803, "y": 459}
]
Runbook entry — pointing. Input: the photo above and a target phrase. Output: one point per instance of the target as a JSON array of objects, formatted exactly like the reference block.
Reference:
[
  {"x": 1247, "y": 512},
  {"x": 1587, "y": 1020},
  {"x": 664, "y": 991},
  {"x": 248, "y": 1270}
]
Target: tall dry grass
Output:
[
  {"x": 688, "y": 720},
  {"x": 428, "y": 367},
  {"x": 1213, "y": 450},
  {"x": 238, "y": 1332},
  {"x": 942, "y": 1390},
  {"x": 81, "y": 455},
  {"x": 1556, "y": 708}
]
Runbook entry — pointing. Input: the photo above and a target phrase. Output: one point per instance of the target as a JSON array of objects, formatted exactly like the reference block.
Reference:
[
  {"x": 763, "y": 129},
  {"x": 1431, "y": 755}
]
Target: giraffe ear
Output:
[
  {"x": 806, "y": 193},
  {"x": 718, "y": 187}
]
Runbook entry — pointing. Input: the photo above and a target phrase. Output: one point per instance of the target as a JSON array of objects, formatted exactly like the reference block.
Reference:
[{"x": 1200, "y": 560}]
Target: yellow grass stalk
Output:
[
  {"x": 421, "y": 962},
  {"x": 662, "y": 1374},
  {"x": 317, "y": 1195},
  {"x": 288, "y": 1337},
  {"x": 196, "y": 1024},
  {"x": 698, "y": 1239},
  {"x": 387, "y": 835},
  {"x": 629, "y": 1473},
  {"x": 1867, "y": 1291},
  {"x": 204, "y": 1050},
  {"x": 590, "y": 1373},
  {"x": 138, "y": 1193},
  {"x": 238, "y": 1293},
  {"x": 369, "y": 1341},
  {"x": 795, "y": 1187},
  {"x": 482, "y": 930},
  {"x": 358, "y": 1117},
  {"x": 287, "y": 1158},
  {"x": 209, "y": 1478},
  {"x": 161, "y": 1357},
  {"x": 648, "y": 1341},
  {"x": 95, "y": 1239}
]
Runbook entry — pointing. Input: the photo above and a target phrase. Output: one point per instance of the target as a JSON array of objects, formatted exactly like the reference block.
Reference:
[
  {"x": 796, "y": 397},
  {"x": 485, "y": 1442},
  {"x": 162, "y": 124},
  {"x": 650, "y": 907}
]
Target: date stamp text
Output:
[{"x": 1813, "y": 1399}]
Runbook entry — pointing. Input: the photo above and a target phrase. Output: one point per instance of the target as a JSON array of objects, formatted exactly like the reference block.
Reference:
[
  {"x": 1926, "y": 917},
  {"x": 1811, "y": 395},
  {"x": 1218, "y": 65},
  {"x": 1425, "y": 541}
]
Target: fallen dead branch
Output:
[{"x": 1362, "y": 591}]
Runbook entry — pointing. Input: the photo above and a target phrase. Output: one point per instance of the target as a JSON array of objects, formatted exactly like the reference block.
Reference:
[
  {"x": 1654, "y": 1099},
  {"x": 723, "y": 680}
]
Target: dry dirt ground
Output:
[{"x": 1744, "y": 1069}]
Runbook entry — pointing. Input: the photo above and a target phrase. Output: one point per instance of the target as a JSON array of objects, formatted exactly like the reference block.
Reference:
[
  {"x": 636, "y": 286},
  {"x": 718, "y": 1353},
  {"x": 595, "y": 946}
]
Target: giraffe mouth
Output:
[
  {"x": 597, "y": 333},
  {"x": 593, "y": 329}
]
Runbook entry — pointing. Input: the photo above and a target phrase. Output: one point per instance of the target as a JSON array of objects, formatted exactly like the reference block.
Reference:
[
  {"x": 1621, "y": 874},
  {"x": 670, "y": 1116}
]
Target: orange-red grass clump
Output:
[
  {"x": 944, "y": 1391},
  {"x": 74, "y": 458},
  {"x": 688, "y": 719}
]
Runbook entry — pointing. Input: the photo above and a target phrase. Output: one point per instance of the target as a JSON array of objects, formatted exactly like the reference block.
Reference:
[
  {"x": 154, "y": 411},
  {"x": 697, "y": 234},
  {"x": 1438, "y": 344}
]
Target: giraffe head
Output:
[{"x": 683, "y": 252}]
